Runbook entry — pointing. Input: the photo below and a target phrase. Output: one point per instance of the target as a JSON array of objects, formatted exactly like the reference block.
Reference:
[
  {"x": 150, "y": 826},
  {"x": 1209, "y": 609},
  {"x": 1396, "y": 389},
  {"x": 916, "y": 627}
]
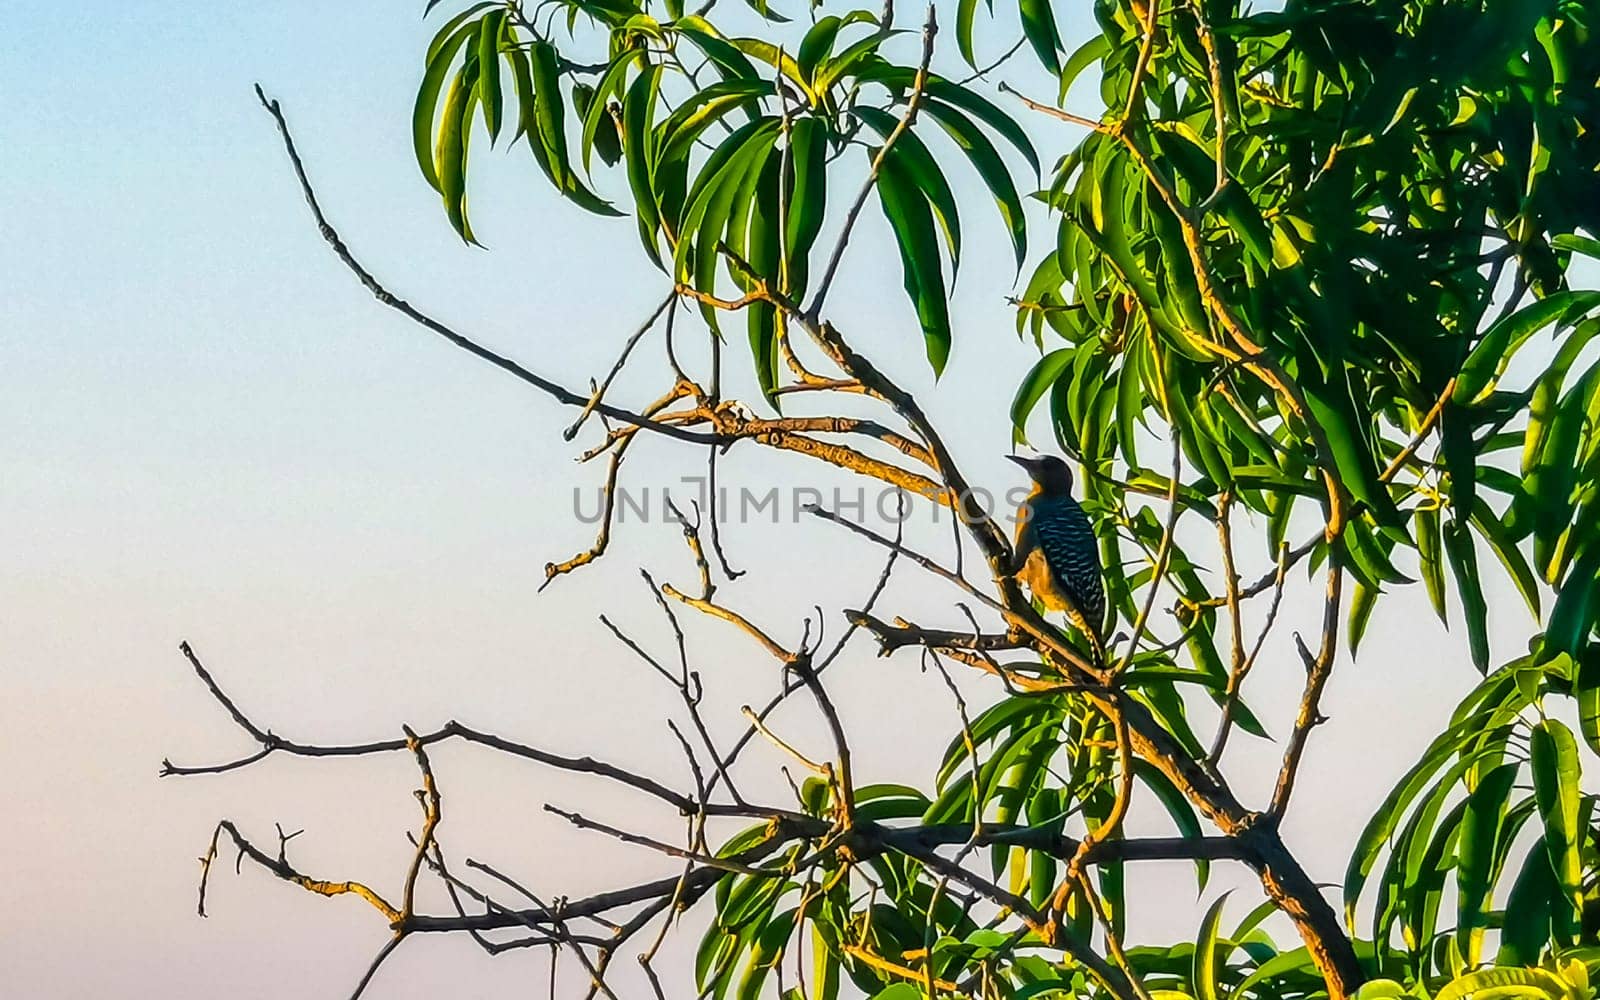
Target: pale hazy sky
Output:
[{"x": 211, "y": 433}]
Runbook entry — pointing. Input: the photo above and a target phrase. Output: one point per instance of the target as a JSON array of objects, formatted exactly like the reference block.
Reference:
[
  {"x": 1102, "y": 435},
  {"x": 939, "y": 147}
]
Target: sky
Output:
[{"x": 213, "y": 434}]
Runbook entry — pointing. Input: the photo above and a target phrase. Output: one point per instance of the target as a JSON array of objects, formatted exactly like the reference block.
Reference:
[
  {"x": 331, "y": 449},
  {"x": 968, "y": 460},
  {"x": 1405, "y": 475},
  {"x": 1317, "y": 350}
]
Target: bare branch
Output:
[
  {"x": 383, "y": 295},
  {"x": 274, "y": 744}
]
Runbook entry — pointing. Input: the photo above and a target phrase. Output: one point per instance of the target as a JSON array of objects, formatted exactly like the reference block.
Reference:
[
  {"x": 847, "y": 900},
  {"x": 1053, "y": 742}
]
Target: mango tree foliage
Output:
[{"x": 1327, "y": 250}]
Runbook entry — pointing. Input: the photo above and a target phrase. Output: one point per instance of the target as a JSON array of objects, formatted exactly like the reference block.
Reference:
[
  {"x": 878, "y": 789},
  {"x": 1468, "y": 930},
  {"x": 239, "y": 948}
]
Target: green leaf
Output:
[
  {"x": 1362, "y": 601},
  {"x": 1384, "y": 821},
  {"x": 1044, "y": 374},
  {"x": 637, "y": 109},
  {"x": 938, "y": 89},
  {"x": 549, "y": 111},
  {"x": 1587, "y": 689},
  {"x": 450, "y": 151},
  {"x": 913, "y": 159},
  {"x": 707, "y": 106},
  {"x": 1554, "y": 756},
  {"x": 1503, "y": 984},
  {"x": 965, "y": 15},
  {"x": 1543, "y": 406},
  {"x": 1177, "y": 807},
  {"x": 824, "y": 967},
  {"x": 833, "y": 70},
  {"x": 1574, "y": 613},
  {"x": 1480, "y": 830},
  {"x": 765, "y": 954},
  {"x": 1381, "y": 989},
  {"x": 1206, "y": 948},
  {"x": 1474, "y": 609},
  {"x": 817, "y": 43},
  {"x": 723, "y": 54},
  {"x": 1500, "y": 541},
  {"x": 1431, "y": 558},
  {"x": 1084, "y": 56},
  {"x": 912, "y": 222},
  {"x": 489, "y": 96},
  {"x": 440, "y": 56},
  {"x": 597, "y": 121},
  {"x": 1526, "y": 927},
  {"x": 1039, "y": 26},
  {"x": 763, "y": 250},
  {"x": 808, "y": 201},
  {"x": 1487, "y": 360},
  {"x": 1298, "y": 960},
  {"x": 1333, "y": 406},
  {"x": 1549, "y": 485},
  {"x": 983, "y": 156},
  {"x": 774, "y": 56},
  {"x": 1573, "y": 243}
]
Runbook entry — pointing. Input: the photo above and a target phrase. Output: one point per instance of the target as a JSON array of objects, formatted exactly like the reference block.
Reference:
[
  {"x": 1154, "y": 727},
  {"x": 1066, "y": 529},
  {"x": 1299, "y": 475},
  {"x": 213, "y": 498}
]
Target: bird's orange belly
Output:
[{"x": 1036, "y": 574}]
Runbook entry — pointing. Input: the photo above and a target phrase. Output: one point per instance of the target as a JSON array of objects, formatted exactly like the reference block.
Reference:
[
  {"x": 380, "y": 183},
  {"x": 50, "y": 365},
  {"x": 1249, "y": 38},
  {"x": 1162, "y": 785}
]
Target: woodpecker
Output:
[{"x": 1056, "y": 552}]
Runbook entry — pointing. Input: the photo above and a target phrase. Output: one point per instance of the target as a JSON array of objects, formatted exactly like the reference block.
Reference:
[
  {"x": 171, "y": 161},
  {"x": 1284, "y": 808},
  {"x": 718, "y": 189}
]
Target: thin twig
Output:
[
  {"x": 622, "y": 359},
  {"x": 930, "y": 29},
  {"x": 385, "y": 297},
  {"x": 1163, "y": 557}
]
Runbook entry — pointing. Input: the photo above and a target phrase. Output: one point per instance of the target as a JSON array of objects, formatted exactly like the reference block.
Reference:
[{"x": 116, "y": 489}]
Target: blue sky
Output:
[{"x": 212, "y": 432}]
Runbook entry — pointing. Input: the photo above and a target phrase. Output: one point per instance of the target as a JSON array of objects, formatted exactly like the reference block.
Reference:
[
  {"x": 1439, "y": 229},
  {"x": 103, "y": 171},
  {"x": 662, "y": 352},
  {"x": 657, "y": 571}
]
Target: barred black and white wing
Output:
[{"x": 1063, "y": 533}]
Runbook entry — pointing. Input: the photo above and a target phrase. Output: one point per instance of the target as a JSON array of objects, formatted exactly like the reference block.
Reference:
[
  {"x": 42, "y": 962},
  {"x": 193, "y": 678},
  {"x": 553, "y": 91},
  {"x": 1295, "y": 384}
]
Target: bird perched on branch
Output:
[{"x": 1057, "y": 554}]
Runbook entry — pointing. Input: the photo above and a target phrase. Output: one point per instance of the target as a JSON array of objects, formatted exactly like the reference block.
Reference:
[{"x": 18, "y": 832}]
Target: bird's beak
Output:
[{"x": 1022, "y": 460}]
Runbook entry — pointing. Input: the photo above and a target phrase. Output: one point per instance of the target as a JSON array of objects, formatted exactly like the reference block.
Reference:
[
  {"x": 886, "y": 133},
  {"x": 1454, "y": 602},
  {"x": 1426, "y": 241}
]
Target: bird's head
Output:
[{"x": 1049, "y": 473}]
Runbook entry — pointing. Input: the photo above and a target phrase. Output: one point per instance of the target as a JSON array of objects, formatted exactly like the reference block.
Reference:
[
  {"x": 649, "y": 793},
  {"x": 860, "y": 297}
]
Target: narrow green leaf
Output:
[
  {"x": 1526, "y": 927},
  {"x": 775, "y": 56},
  {"x": 1044, "y": 374},
  {"x": 1554, "y": 755},
  {"x": 724, "y": 55},
  {"x": 914, "y": 160},
  {"x": 835, "y": 69},
  {"x": 966, "y": 11},
  {"x": 450, "y": 151},
  {"x": 912, "y": 222},
  {"x": 440, "y": 56},
  {"x": 597, "y": 120},
  {"x": 1385, "y": 820},
  {"x": 1504, "y": 547},
  {"x": 549, "y": 110},
  {"x": 983, "y": 156},
  {"x": 1474, "y": 609},
  {"x": 1362, "y": 601},
  {"x": 440, "y": 37},
  {"x": 1573, "y": 243},
  {"x": 1206, "y": 957},
  {"x": 1039, "y": 26},
  {"x": 817, "y": 44},
  {"x": 1298, "y": 960},
  {"x": 1480, "y": 829},
  {"x": 1431, "y": 558},
  {"x": 938, "y": 89},
  {"x": 489, "y": 95},
  {"x": 1081, "y": 59},
  {"x": 1500, "y": 341},
  {"x": 808, "y": 201},
  {"x": 1549, "y": 486},
  {"x": 707, "y": 106},
  {"x": 637, "y": 108},
  {"x": 1575, "y": 610},
  {"x": 1587, "y": 689},
  {"x": 1504, "y": 984},
  {"x": 1177, "y": 807}
]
